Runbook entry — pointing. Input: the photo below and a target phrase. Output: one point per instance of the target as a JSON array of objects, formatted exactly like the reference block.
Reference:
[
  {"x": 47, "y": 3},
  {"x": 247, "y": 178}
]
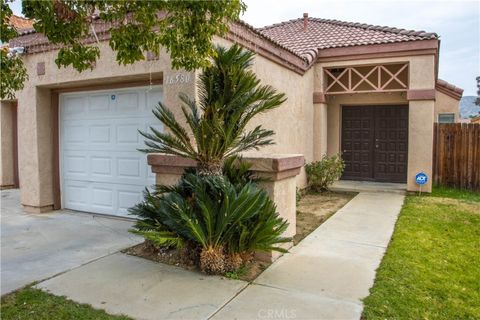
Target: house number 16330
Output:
[{"x": 177, "y": 78}]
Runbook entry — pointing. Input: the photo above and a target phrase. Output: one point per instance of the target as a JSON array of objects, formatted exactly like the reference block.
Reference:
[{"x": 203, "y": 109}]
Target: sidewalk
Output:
[{"x": 324, "y": 277}]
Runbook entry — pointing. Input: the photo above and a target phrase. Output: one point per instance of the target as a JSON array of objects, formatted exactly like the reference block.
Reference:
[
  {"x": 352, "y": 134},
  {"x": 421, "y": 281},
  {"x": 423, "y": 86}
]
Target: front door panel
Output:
[
  {"x": 391, "y": 136},
  {"x": 375, "y": 143},
  {"x": 357, "y": 140}
]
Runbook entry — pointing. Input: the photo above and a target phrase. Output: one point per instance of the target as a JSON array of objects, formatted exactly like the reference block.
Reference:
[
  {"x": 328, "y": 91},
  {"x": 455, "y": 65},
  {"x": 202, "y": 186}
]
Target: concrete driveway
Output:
[{"x": 35, "y": 247}]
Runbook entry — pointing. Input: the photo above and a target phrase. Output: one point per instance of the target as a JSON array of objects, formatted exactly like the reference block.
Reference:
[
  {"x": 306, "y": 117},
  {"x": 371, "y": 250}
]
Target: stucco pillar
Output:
[
  {"x": 320, "y": 130},
  {"x": 6, "y": 145},
  {"x": 420, "y": 142},
  {"x": 421, "y": 96},
  {"x": 35, "y": 148}
]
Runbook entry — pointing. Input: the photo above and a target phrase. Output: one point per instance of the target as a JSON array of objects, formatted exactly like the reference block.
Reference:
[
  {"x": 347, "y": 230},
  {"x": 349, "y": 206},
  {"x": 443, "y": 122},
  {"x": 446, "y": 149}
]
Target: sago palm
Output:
[
  {"x": 230, "y": 95},
  {"x": 223, "y": 219}
]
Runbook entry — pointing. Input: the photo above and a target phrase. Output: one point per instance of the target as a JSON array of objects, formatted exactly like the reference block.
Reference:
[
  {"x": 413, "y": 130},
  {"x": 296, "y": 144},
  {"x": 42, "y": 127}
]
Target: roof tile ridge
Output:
[
  {"x": 278, "y": 24},
  {"x": 366, "y": 26},
  {"x": 275, "y": 42},
  {"x": 447, "y": 85}
]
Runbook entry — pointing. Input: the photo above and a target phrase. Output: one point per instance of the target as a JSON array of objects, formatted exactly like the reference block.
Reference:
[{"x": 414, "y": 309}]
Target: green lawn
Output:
[
  {"x": 34, "y": 304},
  {"x": 432, "y": 266}
]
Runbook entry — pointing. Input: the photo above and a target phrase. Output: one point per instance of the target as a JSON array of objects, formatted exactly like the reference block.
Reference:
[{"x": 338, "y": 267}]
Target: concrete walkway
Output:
[
  {"x": 38, "y": 246},
  {"x": 327, "y": 274},
  {"x": 324, "y": 277}
]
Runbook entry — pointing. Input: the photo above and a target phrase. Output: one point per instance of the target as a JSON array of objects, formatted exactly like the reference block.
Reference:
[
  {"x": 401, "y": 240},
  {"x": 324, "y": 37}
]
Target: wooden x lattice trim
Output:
[
  {"x": 336, "y": 79},
  {"x": 394, "y": 77},
  {"x": 364, "y": 78}
]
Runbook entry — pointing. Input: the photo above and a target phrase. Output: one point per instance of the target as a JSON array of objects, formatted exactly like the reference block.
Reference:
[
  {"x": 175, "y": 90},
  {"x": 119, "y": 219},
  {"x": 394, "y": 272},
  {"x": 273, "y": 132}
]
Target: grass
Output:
[
  {"x": 34, "y": 304},
  {"x": 237, "y": 274},
  {"x": 432, "y": 266}
]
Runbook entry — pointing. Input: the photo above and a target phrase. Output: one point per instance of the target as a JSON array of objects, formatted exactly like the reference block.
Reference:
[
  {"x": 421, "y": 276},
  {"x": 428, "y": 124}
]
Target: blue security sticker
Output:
[{"x": 421, "y": 178}]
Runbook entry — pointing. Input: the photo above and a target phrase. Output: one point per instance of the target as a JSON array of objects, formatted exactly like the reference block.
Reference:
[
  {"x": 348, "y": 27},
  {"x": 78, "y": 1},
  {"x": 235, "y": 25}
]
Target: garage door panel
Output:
[
  {"x": 102, "y": 198},
  {"x": 73, "y": 107},
  {"x": 128, "y": 102},
  {"x": 75, "y": 133},
  {"x": 102, "y": 170},
  {"x": 100, "y": 133},
  {"x": 127, "y": 198},
  {"x": 127, "y": 134},
  {"x": 99, "y": 105},
  {"x": 107, "y": 167},
  {"x": 101, "y": 165},
  {"x": 76, "y": 194},
  {"x": 76, "y": 164}
]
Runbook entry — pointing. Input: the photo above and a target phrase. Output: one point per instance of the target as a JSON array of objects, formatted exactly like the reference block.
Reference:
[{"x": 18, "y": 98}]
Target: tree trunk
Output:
[{"x": 210, "y": 169}]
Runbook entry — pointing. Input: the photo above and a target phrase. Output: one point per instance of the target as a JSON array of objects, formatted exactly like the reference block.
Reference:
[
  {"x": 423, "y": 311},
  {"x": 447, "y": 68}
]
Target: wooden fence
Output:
[{"x": 456, "y": 155}]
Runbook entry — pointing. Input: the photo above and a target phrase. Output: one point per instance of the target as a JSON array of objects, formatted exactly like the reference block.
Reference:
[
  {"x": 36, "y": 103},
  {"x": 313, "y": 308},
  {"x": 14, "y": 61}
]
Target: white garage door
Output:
[{"x": 101, "y": 169}]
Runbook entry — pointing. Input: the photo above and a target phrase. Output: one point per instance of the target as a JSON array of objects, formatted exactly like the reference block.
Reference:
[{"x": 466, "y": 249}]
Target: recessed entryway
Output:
[
  {"x": 375, "y": 143},
  {"x": 101, "y": 169}
]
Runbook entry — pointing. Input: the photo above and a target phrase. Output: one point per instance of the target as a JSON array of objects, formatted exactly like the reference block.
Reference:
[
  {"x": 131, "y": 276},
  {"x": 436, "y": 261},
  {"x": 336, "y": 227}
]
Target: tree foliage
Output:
[
  {"x": 230, "y": 96},
  {"x": 12, "y": 71},
  {"x": 184, "y": 28}
]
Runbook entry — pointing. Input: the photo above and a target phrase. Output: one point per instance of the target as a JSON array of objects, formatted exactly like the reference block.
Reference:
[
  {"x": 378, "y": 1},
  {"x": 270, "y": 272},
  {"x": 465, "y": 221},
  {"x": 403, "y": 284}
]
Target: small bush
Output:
[{"x": 321, "y": 174}]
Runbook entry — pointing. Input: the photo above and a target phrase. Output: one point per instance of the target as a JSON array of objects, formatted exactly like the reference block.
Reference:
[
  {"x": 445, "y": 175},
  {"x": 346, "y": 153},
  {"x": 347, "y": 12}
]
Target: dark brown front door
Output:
[{"x": 375, "y": 143}]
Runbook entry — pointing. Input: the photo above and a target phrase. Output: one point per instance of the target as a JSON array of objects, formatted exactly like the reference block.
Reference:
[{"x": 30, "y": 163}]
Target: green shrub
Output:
[
  {"x": 228, "y": 222},
  {"x": 321, "y": 174}
]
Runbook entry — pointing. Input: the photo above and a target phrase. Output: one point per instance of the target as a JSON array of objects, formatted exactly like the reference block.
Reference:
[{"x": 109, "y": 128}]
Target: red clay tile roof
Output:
[
  {"x": 300, "y": 48},
  {"x": 21, "y": 24},
  {"x": 449, "y": 89},
  {"x": 324, "y": 33}
]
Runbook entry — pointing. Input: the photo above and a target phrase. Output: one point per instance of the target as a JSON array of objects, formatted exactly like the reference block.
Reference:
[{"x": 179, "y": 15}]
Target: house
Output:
[{"x": 368, "y": 92}]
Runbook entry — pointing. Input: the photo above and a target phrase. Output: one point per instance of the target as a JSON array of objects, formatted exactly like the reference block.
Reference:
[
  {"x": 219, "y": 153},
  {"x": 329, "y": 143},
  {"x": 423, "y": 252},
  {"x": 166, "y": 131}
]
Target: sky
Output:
[{"x": 457, "y": 23}]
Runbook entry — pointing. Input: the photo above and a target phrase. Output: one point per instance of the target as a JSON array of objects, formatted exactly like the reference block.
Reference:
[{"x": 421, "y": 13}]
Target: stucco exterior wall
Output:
[
  {"x": 35, "y": 116},
  {"x": 293, "y": 121},
  {"x": 6, "y": 145},
  {"x": 446, "y": 104}
]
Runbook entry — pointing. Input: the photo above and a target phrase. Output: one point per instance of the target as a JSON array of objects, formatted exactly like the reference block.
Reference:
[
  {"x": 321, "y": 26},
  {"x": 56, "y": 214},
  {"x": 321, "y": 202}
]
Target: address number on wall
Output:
[{"x": 177, "y": 78}]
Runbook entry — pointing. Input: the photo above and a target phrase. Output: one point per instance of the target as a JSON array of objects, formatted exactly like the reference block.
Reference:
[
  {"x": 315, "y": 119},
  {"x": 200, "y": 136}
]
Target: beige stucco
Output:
[
  {"x": 446, "y": 104},
  {"x": 6, "y": 145}
]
